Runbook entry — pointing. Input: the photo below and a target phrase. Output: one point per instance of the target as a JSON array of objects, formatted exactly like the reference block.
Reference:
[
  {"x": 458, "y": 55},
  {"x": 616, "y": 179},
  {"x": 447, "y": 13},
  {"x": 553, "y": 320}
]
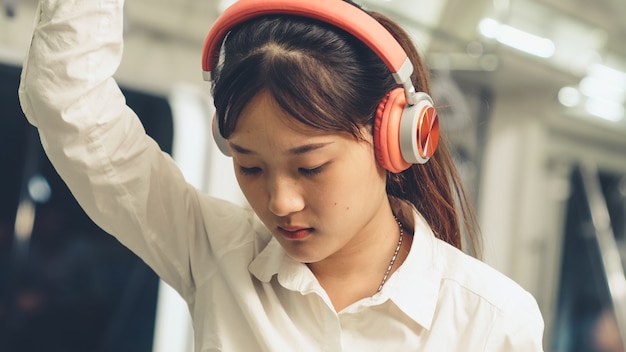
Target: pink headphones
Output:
[{"x": 406, "y": 129}]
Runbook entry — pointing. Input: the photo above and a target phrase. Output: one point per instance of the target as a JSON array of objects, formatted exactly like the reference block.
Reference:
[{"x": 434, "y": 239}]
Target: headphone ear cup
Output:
[
  {"x": 380, "y": 135},
  {"x": 419, "y": 130},
  {"x": 222, "y": 143},
  {"x": 403, "y": 134},
  {"x": 386, "y": 131}
]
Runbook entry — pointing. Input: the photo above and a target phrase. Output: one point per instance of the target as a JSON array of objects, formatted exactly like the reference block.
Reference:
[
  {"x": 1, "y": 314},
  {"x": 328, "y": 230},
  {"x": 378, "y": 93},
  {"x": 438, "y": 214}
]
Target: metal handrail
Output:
[{"x": 607, "y": 244}]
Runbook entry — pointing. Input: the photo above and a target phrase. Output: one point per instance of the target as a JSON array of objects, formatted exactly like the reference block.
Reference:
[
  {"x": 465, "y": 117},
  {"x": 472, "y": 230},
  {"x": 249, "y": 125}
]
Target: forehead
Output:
[
  {"x": 264, "y": 128},
  {"x": 263, "y": 113}
]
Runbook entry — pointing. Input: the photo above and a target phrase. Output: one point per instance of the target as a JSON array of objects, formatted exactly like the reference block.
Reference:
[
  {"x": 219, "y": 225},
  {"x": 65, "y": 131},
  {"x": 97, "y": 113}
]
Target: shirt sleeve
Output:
[{"x": 118, "y": 174}]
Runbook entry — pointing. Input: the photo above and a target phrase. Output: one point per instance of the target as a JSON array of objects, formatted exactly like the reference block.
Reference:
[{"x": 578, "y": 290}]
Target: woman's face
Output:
[{"x": 320, "y": 194}]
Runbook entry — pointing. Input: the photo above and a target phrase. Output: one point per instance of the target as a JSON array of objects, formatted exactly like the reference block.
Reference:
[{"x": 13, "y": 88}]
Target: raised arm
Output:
[{"x": 98, "y": 145}]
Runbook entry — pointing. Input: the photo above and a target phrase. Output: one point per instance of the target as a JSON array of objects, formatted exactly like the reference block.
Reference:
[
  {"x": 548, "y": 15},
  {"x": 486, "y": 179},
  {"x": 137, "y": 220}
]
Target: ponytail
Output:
[{"x": 435, "y": 188}]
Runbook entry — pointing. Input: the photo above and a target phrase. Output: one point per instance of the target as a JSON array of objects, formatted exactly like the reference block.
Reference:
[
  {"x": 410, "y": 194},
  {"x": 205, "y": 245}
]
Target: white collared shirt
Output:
[{"x": 244, "y": 293}]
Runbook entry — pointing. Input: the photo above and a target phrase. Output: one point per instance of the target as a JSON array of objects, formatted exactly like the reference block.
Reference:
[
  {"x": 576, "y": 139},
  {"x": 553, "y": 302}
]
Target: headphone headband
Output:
[
  {"x": 335, "y": 12},
  {"x": 406, "y": 127}
]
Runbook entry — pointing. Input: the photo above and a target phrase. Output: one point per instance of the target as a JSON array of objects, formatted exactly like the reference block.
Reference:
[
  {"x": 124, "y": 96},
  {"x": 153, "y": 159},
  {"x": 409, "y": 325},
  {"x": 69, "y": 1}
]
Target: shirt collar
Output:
[
  {"x": 292, "y": 274},
  {"x": 268, "y": 261},
  {"x": 413, "y": 288}
]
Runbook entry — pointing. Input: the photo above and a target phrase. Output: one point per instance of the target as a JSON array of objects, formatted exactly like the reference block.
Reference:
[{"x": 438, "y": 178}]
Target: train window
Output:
[
  {"x": 588, "y": 314},
  {"x": 65, "y": 285}
]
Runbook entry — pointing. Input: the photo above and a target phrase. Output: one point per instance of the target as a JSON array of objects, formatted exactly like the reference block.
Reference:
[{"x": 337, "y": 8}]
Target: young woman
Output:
[{"x": 354, "y": 241}]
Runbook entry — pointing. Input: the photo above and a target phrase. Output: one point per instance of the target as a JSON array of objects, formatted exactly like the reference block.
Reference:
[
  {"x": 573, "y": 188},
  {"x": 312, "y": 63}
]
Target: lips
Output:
[{"x": 295, "y": 233}]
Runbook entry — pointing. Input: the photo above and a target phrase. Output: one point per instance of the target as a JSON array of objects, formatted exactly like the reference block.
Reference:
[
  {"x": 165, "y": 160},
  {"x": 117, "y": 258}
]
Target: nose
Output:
[{"x": 285, "y": 197}]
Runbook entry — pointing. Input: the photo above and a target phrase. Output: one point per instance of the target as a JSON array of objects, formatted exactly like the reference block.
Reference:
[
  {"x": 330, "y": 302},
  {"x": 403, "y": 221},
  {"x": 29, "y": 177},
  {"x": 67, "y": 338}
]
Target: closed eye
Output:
[
  {"x": 312, "y": 171},
  {"x": 249, "y": 170}
]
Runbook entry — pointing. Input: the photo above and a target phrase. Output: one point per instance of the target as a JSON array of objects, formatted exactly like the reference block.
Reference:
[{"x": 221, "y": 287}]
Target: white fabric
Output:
[{"x": 244, "y": 293}]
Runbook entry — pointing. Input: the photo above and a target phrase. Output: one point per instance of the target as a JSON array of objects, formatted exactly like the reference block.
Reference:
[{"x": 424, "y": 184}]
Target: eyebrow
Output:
[{"x": 295, "y": 151}]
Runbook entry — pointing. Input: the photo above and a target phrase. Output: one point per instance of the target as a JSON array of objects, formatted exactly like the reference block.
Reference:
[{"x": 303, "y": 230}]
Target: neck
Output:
[{"x": 358, "y": 269}]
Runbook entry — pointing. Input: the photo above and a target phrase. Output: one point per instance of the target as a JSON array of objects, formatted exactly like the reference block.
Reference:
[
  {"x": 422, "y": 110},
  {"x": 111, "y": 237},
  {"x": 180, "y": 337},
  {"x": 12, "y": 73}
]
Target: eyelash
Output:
[
  {"x": 249, "y": 171},
  {"x": 311, "y": 172}
]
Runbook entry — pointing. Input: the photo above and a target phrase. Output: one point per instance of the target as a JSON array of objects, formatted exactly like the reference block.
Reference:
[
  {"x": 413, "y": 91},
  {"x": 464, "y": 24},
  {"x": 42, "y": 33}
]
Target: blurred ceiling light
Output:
[
  {"x": 605, "y": 109},
  {"x": 605, "y": 81},
  {"x": 597, "y": 88},
  {"x": 569, "y": 96},
  {"x": 609, "y": 73},
  {"x": 604, "y": 91},
  {"x": 516, "y": 38},
  {"x": 605, "y": 88}
]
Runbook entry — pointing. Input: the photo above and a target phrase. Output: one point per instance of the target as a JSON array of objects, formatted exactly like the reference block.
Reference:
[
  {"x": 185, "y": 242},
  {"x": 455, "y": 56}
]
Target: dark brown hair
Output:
[{"x": 327, "y": 79}]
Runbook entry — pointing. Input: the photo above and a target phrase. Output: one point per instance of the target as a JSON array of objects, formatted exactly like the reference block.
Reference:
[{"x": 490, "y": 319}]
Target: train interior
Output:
[{"x": 531, "y": 95}]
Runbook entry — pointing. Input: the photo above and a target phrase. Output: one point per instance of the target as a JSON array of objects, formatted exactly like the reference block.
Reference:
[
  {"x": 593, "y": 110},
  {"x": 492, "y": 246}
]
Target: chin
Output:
[{"x": 303, "y": 257}]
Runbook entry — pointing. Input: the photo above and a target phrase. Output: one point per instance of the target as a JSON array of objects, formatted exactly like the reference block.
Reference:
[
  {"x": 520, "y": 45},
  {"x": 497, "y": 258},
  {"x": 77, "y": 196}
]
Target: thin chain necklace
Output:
[{"x": 395, "y": 255}]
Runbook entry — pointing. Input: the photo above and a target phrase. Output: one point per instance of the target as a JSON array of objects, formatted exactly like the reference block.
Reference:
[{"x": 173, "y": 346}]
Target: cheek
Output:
[
  {"x": 251, "y": 189},
  {"x": 365, "y": 183},
  {"x": 352, "y": 186}
]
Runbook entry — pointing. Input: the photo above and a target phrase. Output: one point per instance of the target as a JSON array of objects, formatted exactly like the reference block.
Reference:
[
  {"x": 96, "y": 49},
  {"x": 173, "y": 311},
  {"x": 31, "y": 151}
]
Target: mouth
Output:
[{"x": 295, "y": 233}]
